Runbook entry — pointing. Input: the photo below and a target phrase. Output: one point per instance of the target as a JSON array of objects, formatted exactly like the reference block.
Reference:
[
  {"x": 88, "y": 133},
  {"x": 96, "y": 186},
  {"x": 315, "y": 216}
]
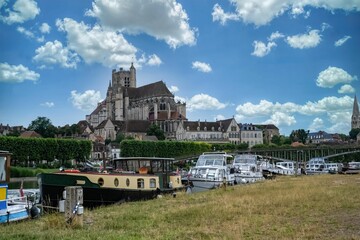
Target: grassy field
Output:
[{"x": 306, "y": 207}]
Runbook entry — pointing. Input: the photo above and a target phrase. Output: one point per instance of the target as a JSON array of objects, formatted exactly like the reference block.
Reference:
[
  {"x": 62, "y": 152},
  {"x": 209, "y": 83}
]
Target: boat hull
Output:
[
  {"x": 14, "y": 213},
  {"x": 52, "y": 187}
]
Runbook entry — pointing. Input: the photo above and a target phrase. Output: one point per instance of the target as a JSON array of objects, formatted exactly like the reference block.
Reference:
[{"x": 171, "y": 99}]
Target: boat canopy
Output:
[{"x": 144, "y": 164}]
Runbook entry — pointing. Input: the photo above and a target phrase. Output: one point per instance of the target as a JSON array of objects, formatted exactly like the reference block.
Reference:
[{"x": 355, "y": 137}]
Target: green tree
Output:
[
  {"x": 43, "y": 126},
  {"x": 353, "y": 133},
  {"x": 299, "y": 135},
  {"x": 276, "y": 140},
  {"x": 154, "y": 130}
]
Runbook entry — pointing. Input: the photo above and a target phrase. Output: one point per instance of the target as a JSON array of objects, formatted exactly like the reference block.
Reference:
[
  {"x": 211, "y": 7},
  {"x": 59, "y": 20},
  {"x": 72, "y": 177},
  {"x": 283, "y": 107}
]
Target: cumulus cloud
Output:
[
  {"x": 204, "y": 102},
  {"x": 333, "y": 76},
  {"x": 86, "y": 101},
  {"x": 55, "y": 54},
  {"x": 16, "y": 73},
  {"x": 96, "y": 45},
  {"x": 22, "y": 10},
  {"x": 308, "y": 40},
  {"x": 201, "y": 66},
  {"x": 48, "y": 104},
  {"x": 316, "y": 125},
  {"x": 154, "y": 60},
  {"x": 45, "y": 28},
  {"x": 283, "y": 114},
  {"x": 218, "y": 14},
  {"x": 163, "y": 19},
  {"x": 261, "y": 49},
  {"x": 346, "y": 89},
  {"x": 341, "y": 41},
  {"x": 260, "y": 12},
  {"x": 29, "y": 34},
  {"x": 173, "y": 89},
  {"x": 281, "y": 119},
  {"x": 275, "y": 35}
]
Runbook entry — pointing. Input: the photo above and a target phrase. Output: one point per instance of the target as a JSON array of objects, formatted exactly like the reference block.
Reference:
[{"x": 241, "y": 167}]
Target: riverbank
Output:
[{"x": 304, "y": 207}]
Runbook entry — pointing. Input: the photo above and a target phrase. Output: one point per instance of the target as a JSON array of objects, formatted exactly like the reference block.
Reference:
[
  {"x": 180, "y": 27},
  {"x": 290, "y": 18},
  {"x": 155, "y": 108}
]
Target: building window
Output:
[
  {"x": 162, "y": 106},
  {"x": 140, "y": 183},
  {"x": 152, "y": 183}
]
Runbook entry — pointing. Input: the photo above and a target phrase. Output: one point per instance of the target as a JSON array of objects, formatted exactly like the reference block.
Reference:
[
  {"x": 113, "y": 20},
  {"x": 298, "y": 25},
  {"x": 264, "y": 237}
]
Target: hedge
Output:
[
  {"x": 171, "y": 149},
  {"x": 38, "y": 149}
]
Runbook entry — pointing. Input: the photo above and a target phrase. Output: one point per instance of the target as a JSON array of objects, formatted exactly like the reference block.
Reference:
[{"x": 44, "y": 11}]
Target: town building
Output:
[
  {"x": 250, "y": 134},
  {"x": 222, "y": 131},
  {"x": 269, "y": 131},
  {"x": 322, "y": 137}
]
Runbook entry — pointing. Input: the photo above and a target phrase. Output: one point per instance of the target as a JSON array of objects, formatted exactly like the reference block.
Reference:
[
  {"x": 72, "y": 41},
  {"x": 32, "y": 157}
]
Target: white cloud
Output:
[
  {"x": 333, "y": 76},
  {"x": 163, "y": 19},
  {"x": 86, "y": 101},
  {"x": 154, "y": 60},
  {"x": 218, "y": 14},
  {"x": 45, "y": 28},
  {"x": 47, "y": 104},
  {"x": 16, "y": 74},
  {"x": 54, "y": 53},
  {"x": 180, "y": 99},
  {"x": 173, "y": 89},
  {"x": 96, "y": 44},
  {"x": 341, "y": 41},
  {"x": 281, "y": 119},
  {"x": 201, "y": 66},
  {"x": 22, "y": 11},
  {"x": 29, "y": 34},
  {"x": 261, "y": 49},
  {"x": 346, "y": 89},
  {"x": 275, "y": 35},
  {"x": 316, "y": 125},
  {"x": 325, "y": 26},
  {"x": 260, "y": 12},
  {"x": 301, "y": 41},
  {"x": 285, "y": 114},
  {"x": 204, "y": 102},
  {"x": 25, "y": 32}
]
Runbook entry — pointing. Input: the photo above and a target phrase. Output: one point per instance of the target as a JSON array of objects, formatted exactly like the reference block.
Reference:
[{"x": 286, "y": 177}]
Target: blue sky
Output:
[{"x": 295, "y": 64}]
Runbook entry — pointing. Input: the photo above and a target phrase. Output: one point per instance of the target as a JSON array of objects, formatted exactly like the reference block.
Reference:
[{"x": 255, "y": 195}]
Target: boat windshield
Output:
[
  {"x": 211, "y": 160},
  {"x": 242, "y": 159}
]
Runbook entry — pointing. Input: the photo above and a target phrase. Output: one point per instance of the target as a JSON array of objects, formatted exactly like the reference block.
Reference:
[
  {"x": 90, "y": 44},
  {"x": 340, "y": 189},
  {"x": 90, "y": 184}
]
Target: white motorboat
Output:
[
  {"x": 316, "y": 166},
  {"x": 212, "y": 170},
  {"x": 247, "y": 168}
]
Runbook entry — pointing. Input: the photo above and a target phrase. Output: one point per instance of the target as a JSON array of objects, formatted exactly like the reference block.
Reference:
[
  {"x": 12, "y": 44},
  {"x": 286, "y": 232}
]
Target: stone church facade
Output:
[{"x": 126, "y": 104}]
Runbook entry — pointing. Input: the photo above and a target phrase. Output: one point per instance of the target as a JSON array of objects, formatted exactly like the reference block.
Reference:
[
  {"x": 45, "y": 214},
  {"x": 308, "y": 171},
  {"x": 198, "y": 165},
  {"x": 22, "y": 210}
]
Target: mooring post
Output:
[{"x": 74, "y": 209}]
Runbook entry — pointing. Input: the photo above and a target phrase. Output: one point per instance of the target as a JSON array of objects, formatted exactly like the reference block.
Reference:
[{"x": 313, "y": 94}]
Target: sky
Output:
[{"x": 295, "y": 64}]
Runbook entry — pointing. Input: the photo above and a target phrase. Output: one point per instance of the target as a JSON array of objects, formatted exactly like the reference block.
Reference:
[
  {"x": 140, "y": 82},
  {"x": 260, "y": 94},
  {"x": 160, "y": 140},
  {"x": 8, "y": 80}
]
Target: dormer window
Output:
[
  {"x": 205, "y": 128},
  {"x": 198, "y": 128}
]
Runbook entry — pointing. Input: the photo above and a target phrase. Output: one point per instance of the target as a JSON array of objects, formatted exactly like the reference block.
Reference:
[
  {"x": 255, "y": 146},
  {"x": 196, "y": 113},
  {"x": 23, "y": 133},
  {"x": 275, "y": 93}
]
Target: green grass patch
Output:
[{"x": 306, "y": 207}]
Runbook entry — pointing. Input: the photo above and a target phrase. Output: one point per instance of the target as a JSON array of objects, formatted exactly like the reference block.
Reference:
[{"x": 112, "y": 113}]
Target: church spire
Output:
[
  {"x": 355, "y": 118},
  {"x": 355, "y": 107}
]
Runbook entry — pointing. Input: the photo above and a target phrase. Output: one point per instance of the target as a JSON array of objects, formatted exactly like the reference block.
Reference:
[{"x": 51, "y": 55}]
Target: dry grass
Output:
[{"x": 307, "y": 207}]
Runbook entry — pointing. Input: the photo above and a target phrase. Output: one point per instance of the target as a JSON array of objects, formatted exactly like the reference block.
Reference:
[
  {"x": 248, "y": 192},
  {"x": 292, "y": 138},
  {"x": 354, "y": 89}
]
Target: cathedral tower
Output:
[{"x": 355, "y": 118}]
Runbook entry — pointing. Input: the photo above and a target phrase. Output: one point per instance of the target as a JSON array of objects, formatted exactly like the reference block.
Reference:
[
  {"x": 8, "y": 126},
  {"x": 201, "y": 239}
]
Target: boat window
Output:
[
  {"x": 127, "y": 182},
  {"x": 152, "y": 183},
  {"x": 101, "y": 181},
  {"x": 116, "y": 182},
  {"x": 140, "y": 183}
]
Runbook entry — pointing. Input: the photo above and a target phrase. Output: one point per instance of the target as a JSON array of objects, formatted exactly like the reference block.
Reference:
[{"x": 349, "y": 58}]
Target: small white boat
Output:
[
  {"x": 247, "y": 168},
  {"x": 316, "y": 166},
  {"x": 281, "y": 168},
  {"x": 212, "y": 170}
]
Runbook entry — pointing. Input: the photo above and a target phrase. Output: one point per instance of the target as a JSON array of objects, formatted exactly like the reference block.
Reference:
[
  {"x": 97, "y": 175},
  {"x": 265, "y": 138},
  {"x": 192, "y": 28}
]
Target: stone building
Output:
[
  {"x": 250, "y": 134},
  {"x": 125, "y": 102},
  {"x": 355, "y": 118},
  {"x": 223, "y": 131},
  {"x": 269, "y": 130}
]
